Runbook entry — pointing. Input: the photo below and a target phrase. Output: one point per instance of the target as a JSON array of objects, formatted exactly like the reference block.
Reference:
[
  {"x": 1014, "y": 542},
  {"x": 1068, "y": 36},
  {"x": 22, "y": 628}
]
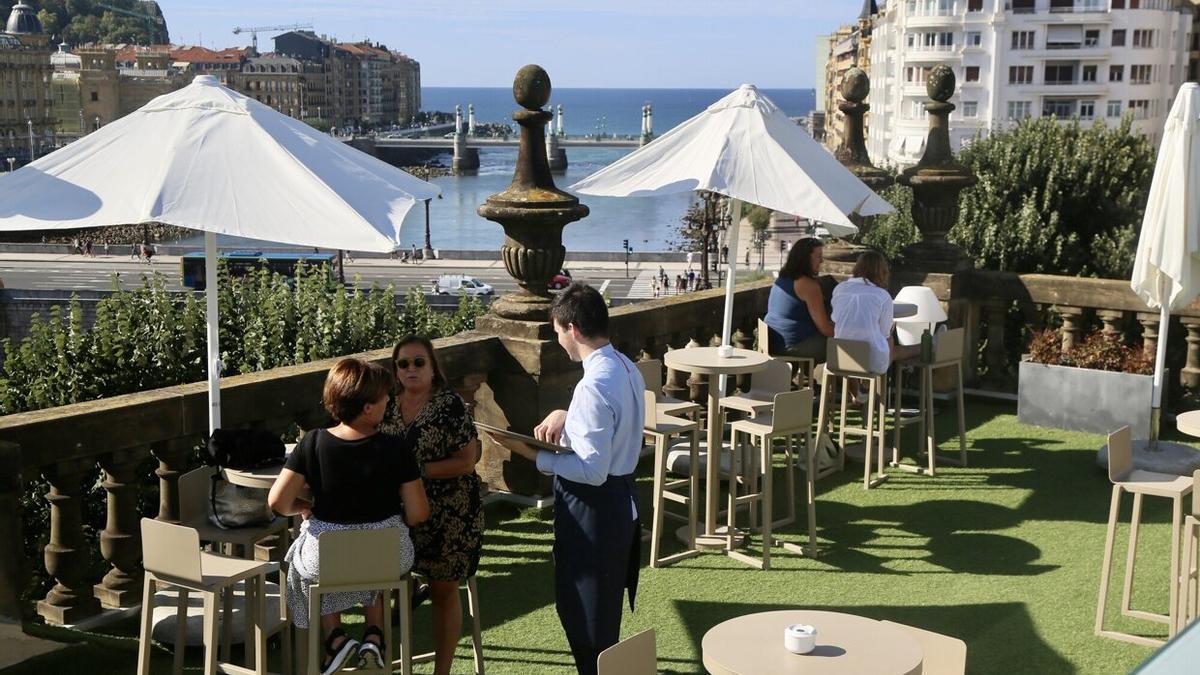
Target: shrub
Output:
[{"x": 1097, "y": 351}]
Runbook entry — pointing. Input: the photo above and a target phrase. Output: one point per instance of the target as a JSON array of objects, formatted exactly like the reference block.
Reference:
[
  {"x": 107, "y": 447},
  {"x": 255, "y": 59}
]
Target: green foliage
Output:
[
  {"x": 1056, "y": 197},
  {"x": 759, "y": 217},
  {"x": 82, "y": 21},
  {"x": 892, "y": 232}
]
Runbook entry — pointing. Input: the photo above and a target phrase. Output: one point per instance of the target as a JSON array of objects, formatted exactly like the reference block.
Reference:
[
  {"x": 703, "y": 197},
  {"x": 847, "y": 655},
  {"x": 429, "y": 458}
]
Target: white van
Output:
[{"x": 456, "y": 284}]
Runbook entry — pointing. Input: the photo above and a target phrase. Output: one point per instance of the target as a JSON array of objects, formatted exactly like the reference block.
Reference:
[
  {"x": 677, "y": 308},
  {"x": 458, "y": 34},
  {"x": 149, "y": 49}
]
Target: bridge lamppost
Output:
[{"x": 32, "y": 152}]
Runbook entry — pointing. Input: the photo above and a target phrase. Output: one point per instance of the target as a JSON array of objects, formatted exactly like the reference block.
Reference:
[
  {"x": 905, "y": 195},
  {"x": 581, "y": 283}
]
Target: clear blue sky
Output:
[{"x": 582, "y": 43}]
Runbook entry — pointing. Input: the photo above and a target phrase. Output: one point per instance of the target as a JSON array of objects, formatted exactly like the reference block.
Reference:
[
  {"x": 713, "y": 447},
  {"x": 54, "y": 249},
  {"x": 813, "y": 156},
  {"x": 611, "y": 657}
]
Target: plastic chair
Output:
[
  {"x": 944, "y": 655},
  {"x": 763, "y": 386},
  {"x": 476, "y": 629},
  {"x": 652, "y": 374},
  {"x": 1140, "y": 483},
  {"x": 635, "y": 655},
  {"x": 804, "y": 364},
  {"x": 361, "y": 560},
  {"x": 948, "y": 353},
  {"x": 791, "y": 416},
  {"x": 660, "y": 428},
  {"x": 1189, "y": 586},
  {"x": 171, "y": 555},
  {"x": 848, "y": 360}
]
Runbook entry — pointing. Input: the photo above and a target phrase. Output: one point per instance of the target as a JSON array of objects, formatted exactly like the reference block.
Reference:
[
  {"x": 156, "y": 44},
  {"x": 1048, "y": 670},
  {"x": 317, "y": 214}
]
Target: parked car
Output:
[
  {"x": 561, "y": 280},
  {"x": 449, "y": 284}
]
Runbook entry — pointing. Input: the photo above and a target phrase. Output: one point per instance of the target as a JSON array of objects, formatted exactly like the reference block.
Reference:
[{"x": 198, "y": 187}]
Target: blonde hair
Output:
[{"x": 873, "y": 267}]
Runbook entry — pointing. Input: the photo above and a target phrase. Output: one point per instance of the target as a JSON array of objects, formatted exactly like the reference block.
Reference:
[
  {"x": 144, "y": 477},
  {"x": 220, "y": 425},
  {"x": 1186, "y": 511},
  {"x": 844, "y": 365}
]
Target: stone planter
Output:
[{"x": 1081, "y": 399}]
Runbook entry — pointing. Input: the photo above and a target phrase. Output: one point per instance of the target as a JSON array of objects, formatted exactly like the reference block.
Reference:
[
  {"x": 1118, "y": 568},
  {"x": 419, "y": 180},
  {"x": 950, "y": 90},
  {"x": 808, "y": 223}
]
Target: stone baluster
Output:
[
  {"x": 995, "y": 353},
  {"x": 697, "y": 384},
  {"x": 172, "y": 459},
  {"x": 121, "y": 540},
  {"x": 742, "y": 339},
  {"x": 1149, "y": 321},
  {"x": 12, "y": 556},
  {"x": 1190, "y": 375},
  {"x": 1111, "y": 322},
  {"x": 675, "y": 384},
  {"x": 71, "y": 599},
  {"x": 469, "y": 387},
  {"x": 1072, "y": 324}
]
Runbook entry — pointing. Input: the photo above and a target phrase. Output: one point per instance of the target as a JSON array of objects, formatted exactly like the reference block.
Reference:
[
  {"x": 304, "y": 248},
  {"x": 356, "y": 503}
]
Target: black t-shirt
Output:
[{"x": 354, "y": 481}]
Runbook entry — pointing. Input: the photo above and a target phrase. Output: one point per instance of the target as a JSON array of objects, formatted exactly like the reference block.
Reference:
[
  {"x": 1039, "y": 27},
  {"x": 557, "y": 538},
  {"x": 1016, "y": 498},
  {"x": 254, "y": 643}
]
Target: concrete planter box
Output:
[{"x": 1081, "y": 399}]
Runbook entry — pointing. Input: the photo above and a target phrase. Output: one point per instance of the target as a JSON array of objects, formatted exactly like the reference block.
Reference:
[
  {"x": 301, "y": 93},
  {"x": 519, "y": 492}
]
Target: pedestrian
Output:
[
  {"x": 135, "y": 252},
  {"x": 724, "y": 254},
  {"x": 75, "y": 245},
  {"x": 747, "y": 257},
  {"x": 691, "y": 280},
  {"x": 689, "y": 260},
  {"x": 106, "y": 248},
  {"x": 597, "y": 534},
  {"x": 654, "y": 286},
  {"x": 680, "y": 284},
  {"x": 87, "y": 248}
]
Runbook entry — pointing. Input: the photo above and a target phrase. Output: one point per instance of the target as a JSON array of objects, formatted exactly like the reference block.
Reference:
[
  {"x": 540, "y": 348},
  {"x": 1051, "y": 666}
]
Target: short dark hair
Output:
[
  {"x": 799, "y": 260},
  {"x": 353, "y": 383},
  {"x": 439, "y": 378},
  {"x": 583, "y": 306}
]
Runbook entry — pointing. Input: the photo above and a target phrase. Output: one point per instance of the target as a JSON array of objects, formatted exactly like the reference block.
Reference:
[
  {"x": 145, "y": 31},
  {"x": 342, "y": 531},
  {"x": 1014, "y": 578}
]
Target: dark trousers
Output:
[{"x": 597, "y": 550}]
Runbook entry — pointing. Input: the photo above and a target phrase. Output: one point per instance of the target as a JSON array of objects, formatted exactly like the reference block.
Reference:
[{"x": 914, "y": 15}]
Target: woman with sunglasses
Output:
[{"x": 441, "y": 430}]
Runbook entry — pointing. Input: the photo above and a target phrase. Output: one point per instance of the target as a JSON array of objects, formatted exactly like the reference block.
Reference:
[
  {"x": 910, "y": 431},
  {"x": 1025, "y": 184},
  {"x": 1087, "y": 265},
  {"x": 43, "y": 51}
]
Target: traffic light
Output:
[{"x": 626, "y": 244}]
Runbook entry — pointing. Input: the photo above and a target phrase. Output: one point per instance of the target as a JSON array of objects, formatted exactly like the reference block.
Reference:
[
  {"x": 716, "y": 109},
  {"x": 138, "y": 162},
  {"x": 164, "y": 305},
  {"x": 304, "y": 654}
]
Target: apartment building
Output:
[{"x": 1013, "y": 59}]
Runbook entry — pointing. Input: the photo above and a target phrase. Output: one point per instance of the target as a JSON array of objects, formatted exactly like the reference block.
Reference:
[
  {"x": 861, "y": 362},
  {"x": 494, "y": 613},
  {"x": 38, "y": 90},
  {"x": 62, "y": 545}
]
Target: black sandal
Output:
[
  {"x": 337, "y": 657},
  {"x": 370, "y": 654}
]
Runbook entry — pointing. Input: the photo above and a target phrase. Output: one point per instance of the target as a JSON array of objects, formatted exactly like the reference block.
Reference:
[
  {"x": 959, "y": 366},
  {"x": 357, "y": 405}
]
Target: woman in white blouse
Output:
[{"x": 862, "y": 311}]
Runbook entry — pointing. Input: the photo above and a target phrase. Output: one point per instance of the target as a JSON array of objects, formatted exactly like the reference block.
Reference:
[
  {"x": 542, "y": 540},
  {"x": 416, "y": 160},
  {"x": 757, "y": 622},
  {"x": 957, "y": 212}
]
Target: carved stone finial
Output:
[
  {"x": 531, "y": 87},
  {"x": 852, "y": 152},
  {"x": 940, "y": 83},
  {"x": 856, "y": 85}
]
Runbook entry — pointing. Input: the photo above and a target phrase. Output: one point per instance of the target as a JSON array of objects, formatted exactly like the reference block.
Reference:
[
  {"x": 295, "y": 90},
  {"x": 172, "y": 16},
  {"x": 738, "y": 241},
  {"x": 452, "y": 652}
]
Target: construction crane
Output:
[
  {"x": 155, "y": 24},
  {"x": 254, "y": 30}
]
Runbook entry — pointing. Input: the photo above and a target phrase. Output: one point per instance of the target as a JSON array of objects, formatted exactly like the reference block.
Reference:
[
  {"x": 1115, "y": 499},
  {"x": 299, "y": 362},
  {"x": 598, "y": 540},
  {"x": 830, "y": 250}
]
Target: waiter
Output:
[{"x": 597, "y": 536}]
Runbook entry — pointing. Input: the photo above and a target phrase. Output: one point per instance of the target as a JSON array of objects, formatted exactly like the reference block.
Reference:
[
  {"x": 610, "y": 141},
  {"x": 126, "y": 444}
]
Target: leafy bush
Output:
[
  {"x": 890, "y": 233},
  {"x": 1097, "y": 351}
]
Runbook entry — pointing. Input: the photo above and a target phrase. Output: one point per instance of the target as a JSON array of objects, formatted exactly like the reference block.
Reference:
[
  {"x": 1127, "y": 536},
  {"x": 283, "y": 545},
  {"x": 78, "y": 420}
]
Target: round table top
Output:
[
  {"x": 254, "y": 478},
  {"x": 845, "y": 644},
  {"x": 704, "y": 360},
  {"x": 903, "y": 310},
  {"x": 1188, "y": 422}
]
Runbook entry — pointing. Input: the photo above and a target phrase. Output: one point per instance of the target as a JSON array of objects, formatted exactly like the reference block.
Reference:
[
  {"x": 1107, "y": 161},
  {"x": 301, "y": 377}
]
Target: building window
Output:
[
  {"x": 1143, "y": 38},
  {"x": 95, "y": 96},
  {"x": 915, "y": 74},
  {"x": 1062, "y": 109},
  {"x": 1019, "y": 110},
  {"x": 974, "y": 39},
  {"x": 1091, "y": 38},
  {"x": 1114, "y": 109},
  {"x": 1116, "y": 73},
  {"x": 1022, "y": 39},
  {"x": 1141, "y": 74},
  {"x": 1020, "y": 74},
  {"x": 1087, "y": 110},
  {"x": 974, "y": 5},
  {"x": 1118, "y": 37},
  {"x": 1060, "y": 74},
  {"x": 971, "y": 74},
  {"x": 1088, "y": 74},
  {"x": 1118, "y": 4},
  {"x": 970, "y": 109},
  {"x": 1140, "y": 107}
]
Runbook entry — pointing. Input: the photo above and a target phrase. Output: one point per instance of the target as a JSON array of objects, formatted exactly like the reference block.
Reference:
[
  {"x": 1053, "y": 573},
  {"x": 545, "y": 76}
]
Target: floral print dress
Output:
[{"x": 449, "y": 543}]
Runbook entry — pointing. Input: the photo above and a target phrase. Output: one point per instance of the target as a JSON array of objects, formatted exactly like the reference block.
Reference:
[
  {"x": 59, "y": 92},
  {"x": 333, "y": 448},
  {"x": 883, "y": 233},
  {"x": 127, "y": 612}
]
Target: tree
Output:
[
  {"x": 1056, "y": 197},
  {"x": 890, "y": 233}
]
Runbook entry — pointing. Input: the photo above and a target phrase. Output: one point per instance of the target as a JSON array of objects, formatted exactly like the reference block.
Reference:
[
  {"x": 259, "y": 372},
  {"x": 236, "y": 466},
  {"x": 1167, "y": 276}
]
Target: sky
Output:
[{"x": 581, "y": 43}]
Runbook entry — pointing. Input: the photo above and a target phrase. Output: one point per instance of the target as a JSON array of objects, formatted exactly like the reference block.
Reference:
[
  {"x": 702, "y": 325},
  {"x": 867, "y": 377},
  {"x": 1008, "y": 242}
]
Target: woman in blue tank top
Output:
[{"x": 796, "y": 318}]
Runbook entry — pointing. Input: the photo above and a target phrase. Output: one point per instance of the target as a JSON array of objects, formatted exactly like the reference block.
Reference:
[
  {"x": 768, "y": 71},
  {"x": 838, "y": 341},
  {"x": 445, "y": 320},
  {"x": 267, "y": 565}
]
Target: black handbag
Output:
[{"x": 244, "y": 449}]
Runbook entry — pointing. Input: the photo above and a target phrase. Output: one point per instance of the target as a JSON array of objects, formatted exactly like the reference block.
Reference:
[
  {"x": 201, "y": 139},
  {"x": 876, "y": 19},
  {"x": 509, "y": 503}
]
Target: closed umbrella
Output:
[
  {"x": 208, "y": 158},
  {"x": 745, "y": 148},
  {"x": 1166, "y": 271}
]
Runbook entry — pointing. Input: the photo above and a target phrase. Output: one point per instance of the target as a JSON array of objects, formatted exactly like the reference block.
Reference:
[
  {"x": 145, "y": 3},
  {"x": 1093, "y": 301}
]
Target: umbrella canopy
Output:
[
  {"x": 208, "y": 158},
  {"x": 743, "y": 147},
  {"x": 1166, "y": 271}
]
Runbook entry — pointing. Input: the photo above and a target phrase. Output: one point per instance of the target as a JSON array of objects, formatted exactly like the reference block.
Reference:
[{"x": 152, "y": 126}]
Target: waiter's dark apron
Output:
[{"x": 597, "y": 551}]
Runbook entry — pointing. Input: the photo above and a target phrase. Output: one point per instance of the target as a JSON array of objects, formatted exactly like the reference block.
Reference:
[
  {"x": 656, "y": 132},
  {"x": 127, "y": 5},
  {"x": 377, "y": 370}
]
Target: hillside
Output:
[{"x": 82, "y": 21}]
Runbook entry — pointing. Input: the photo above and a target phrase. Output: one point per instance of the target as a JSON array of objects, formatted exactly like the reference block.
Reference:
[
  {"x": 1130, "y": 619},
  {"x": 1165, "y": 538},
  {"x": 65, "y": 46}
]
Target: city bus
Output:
[{"x": 241, "y": 263}]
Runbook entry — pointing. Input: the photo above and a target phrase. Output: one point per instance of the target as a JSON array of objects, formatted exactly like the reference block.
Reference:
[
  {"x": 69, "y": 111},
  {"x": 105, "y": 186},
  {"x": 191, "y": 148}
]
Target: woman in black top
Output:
[
  {"x": 357, "y": 479},
  {"x": 435, "y": 420}
]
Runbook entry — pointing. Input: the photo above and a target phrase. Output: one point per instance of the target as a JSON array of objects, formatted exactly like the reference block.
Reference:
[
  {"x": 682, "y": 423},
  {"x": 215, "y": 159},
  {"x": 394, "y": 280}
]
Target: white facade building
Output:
[{"x": 1095, "y": 59}]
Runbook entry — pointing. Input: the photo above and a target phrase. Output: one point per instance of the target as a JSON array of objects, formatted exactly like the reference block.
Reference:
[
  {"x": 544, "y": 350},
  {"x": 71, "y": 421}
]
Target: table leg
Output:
[{"x": 713, "y": 465}]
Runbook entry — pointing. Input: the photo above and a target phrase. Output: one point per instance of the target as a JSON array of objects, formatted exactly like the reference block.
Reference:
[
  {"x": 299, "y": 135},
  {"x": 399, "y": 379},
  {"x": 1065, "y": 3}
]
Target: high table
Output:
[
  {"x": 846, "y": 643},
  {"x": 1188, "y": 422},
  {"x": 706, "y": 361}
]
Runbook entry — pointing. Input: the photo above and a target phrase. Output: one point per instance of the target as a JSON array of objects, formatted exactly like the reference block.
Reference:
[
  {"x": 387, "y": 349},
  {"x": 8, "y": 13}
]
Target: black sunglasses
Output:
[{"x": 402, "y": 364}]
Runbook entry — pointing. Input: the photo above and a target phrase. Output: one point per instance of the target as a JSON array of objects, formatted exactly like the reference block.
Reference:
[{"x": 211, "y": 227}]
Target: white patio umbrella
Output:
[
  {"x": 208, "y": 158},
  {"x": 745, "y": 148},
  {"x": 1166, "y": 271}
]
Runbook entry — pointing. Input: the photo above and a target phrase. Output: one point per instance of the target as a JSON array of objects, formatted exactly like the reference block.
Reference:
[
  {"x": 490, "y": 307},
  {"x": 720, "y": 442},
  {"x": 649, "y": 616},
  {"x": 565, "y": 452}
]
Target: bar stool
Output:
[
  {"x": 804, "y": 364},
  {"x": 652, "y": 375},
  {"x": 661, "y": 427},
  {"x": 1189, "y": 586},
  {"x": 1139, "y": 483},
  {"x": 476, "y": 628},
  {"x": 791, "y": 416},
  {"x": 849, "y": 360},
  {"x": 171, "y": 556},
  {"x": 948, "y": 353}
]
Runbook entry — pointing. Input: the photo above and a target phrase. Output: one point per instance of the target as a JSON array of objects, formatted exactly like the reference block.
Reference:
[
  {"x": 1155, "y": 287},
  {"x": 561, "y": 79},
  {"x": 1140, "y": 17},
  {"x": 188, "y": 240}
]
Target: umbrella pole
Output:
[
  {"x": 214, "y": 345},
  {"x": 1160, "y": 357},
  {"x": 735, "y": 217}
]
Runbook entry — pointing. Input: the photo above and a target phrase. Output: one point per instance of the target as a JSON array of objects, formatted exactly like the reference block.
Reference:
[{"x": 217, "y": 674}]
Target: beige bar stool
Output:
[
  {"x": 944, "y": 655},
  {"x": 171, "y": 555},
  {"x": 476, "y": 629},
  {"x": 804, "y": 365},
  {"x": 1139, "y": 483},
  {"x": 652, "y": 374},
  {"x": 791, "y": 416},
  {"x": 635, "y": 655},
  {"x": 848, "y": 360},
  {"x": 1189, "y": 585},
  {"x": 661, "y": 427},
  {"x": 948, "y": 353}
]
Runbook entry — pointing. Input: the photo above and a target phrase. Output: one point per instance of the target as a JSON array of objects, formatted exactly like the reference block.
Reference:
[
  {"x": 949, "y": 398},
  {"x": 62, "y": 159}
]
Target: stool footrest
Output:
[{"x": 678, "y": 499}]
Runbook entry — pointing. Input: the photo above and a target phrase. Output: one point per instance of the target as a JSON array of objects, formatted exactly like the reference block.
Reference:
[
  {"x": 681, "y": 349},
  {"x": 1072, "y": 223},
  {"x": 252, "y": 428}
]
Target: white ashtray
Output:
[
  {"x": 725, "y": 351},
  {"x": 799, "y": 638}
]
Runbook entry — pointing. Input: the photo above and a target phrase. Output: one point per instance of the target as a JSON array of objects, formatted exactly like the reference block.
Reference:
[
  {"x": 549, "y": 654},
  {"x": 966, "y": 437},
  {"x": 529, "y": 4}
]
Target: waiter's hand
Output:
[{"x": 551, "y": 428}]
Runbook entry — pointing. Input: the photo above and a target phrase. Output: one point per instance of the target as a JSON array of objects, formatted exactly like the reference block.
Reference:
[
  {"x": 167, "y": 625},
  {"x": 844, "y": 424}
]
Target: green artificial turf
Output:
[{"x": 1004, "y": 554}]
